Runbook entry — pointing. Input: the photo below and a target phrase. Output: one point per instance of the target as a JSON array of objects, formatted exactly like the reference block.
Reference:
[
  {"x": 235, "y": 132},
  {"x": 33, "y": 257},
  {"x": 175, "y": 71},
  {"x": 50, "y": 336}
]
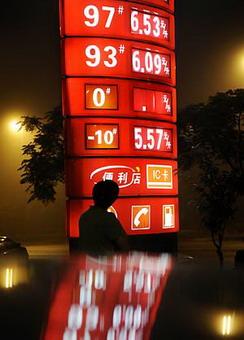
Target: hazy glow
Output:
[
  {"x": 238, "y": 63},
  {"x": 227, "y": 325},
  {"x": 9, "y": 278},
  {"x": 14, "y": 125}
]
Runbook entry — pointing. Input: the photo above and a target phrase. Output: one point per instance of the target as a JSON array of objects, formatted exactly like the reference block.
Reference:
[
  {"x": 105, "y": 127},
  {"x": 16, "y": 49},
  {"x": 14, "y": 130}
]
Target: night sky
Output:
[
  {"x": 210, "y": 58},
  {"x": 209, "y": 45}
]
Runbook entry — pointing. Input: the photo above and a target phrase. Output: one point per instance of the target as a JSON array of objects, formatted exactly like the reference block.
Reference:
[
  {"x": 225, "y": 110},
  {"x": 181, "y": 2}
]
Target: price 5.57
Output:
[{"x": 153, "y": 139}]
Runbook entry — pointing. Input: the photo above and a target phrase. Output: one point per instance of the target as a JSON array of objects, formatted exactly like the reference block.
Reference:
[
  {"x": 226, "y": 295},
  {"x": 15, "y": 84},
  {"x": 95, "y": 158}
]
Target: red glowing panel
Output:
[
  {"x": 134, "y": 98},
  {"x": 118, "y": 58},
  {"x": 152, "y": 101},
  {"x": 120, "y": 137},
  {"x": 100, "y": 136},
  {"x": 102, "y": 97},
  {"x": 102, "y": 18},
  {"x": 135, "y": 177},
  {"x": 138, "y": 215}
]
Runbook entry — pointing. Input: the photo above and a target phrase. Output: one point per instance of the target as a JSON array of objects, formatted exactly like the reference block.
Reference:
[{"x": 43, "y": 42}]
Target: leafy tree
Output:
[
  {"x": 43, "y": 164},
  {"x": 211, "y": 137}
]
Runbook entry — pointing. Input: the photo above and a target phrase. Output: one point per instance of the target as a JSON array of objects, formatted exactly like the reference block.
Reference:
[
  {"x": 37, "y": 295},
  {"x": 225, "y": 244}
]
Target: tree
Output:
[
  {"x": 43, "y": 164},
  {"x": 211, "y": 137}
]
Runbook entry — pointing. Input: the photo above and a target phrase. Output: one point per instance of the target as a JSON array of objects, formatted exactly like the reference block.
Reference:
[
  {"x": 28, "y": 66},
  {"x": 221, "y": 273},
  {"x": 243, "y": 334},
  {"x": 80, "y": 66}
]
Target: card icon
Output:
[{"x": 159, "y": 176}]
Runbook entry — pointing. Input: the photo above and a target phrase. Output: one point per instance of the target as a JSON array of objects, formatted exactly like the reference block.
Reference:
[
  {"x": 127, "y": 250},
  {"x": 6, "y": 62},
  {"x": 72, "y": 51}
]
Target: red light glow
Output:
[
  {"x": 110, "y": 136},
  {"x": 122, "y": 98},
  {"x": 110, "y": 57},
  {"x": 102, "y": 18}
]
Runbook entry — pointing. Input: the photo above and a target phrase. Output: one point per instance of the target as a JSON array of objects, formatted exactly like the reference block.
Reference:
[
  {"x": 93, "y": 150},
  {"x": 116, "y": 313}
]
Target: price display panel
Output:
[
  {"x": 118, "y": 98},
  {"x": 118, "y": 58},
  {"x": 134, "y": 176},
  {"x": 148, "y": 215},
  {"x": 102, "y": 18},
  {"x": 167, "y": 4},
  {"x": 120, "y": 137}
]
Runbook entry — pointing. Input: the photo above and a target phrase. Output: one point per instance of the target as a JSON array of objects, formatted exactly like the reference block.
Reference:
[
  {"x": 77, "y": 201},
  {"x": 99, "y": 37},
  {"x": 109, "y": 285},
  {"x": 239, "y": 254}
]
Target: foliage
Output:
[
  {"x": 43, "y": 165},
  {"x": 211, "y": 137}
]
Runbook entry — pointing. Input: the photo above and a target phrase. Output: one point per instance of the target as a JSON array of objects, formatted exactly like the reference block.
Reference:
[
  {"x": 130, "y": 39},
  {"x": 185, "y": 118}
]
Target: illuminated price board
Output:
[
  {"x": 118, "y": 97},
  {"x": 135, "y": 177},
  {"x": 110, "y": 136},
  {"x": 138, "y": 216},
  {"x": 118, "y": 58},
  {"x": 102, "y": 18}
]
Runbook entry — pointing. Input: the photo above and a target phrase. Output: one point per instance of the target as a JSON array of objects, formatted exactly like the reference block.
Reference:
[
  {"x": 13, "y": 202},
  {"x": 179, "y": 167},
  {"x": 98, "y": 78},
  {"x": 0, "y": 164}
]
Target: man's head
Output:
[{"x": 105, "y": 193}]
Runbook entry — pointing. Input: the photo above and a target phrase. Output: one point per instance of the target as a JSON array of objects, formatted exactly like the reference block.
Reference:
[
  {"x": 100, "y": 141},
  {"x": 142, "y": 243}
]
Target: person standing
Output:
[{"x": 101, "y": 233}]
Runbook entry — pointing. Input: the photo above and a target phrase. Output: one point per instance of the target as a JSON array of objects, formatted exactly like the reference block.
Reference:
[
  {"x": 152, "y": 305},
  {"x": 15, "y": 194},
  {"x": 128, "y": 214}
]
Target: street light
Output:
[{"x": 14, "y": 125}]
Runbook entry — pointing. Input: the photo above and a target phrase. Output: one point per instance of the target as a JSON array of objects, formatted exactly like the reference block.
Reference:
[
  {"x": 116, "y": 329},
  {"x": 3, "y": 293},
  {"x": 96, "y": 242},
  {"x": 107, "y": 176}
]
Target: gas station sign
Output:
[
  {"x": 119, "y": 105},
  {"x": 135, "y": 177},
  {"x": 140, "y": 215},
  {"x": 118, "y": 97},
  {"x": 118, "y": 58},
  {"x": 135, "y": 137},
  {"x": 102, "y": 18}
]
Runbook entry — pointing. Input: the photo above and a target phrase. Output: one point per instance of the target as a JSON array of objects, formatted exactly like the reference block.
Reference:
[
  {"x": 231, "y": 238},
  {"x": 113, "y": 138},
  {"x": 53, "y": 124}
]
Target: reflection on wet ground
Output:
[{"x": 198, "y": 301}]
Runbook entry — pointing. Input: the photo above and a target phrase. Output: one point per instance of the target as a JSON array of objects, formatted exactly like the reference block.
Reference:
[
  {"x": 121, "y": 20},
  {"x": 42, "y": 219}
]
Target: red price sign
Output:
[
  {"x": 100, "y": 136},
  {"x": 135, "y": 177},
  {"x": 120, "y": 137},
  {"x": 137, "y": 215},
  {"x": 108, "y": 96},
  {"x": 102, "y": 18},
  {"x": 108, "y": 57}
]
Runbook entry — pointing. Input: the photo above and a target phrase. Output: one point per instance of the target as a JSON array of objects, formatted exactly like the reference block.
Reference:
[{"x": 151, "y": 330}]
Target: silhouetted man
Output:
[{"x": 101, "y": 233}]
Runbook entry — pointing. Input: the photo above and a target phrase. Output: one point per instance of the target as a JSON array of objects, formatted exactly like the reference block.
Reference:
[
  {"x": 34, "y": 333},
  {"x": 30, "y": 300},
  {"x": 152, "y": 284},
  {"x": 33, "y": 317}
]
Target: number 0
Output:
[{"x": 98, "y": 97}]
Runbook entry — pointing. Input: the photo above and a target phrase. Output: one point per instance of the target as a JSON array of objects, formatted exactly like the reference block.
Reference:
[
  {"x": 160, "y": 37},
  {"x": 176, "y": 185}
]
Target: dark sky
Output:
[{"x": 210, "y": 38}]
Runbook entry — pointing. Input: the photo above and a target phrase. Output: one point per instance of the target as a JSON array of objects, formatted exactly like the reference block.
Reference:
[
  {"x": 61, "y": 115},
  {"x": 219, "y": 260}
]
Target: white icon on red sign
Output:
[
  {"x": 159, "y": 176},
  {"x": 140, "y": 217},
  {"x": 168, "y": 213},
  {"x": 125, "y": 176}
]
